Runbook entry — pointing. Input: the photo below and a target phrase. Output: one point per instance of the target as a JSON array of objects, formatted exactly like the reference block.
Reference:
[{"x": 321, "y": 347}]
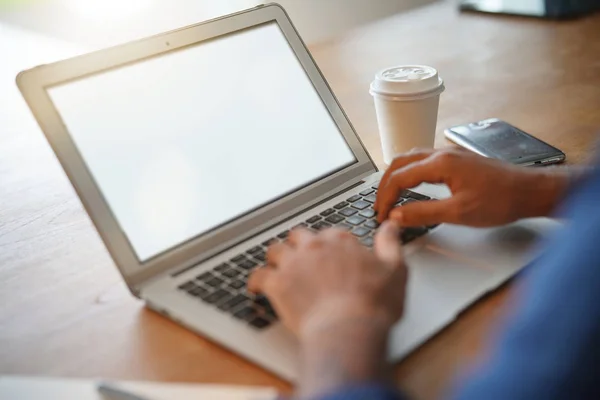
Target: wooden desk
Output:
[{"x": 63, "y": 308}]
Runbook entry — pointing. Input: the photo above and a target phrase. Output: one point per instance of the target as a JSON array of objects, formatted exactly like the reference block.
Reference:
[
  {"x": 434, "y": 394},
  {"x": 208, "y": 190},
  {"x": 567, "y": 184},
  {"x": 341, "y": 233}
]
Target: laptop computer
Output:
[{"x": 194, "y": 150}]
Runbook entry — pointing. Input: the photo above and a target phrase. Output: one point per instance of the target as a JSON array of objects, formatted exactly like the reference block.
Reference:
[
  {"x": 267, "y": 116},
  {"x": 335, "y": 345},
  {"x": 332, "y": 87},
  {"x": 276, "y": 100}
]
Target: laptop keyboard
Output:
[{"x": 225, "y": 285}]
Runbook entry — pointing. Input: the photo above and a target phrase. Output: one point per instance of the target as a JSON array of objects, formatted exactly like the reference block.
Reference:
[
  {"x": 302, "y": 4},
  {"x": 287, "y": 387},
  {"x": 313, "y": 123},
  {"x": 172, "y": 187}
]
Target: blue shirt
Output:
[{"x": 550, "y": 348}]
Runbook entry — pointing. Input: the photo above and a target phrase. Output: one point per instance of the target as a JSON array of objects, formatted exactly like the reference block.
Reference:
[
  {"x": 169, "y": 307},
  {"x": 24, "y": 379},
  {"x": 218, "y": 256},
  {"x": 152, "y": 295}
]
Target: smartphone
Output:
[
  {"x": 552, "y": 9},
  {"x": 494, "y": 138}
]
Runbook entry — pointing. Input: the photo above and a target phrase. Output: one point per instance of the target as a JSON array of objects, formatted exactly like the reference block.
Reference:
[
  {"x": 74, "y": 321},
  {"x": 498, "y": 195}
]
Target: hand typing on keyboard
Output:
[
  {"x": 330, "y": 291},
  {"x": 224, "y": 285},
  {"x": 486, "y": 192}
]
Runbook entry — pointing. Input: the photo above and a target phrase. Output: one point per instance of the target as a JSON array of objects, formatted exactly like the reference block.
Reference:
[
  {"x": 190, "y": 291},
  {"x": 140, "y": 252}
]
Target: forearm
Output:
[
  {"x": 346, "y": 353},
  {"x": 550, "y": 348},
  {"x": 542, "y": 190}
]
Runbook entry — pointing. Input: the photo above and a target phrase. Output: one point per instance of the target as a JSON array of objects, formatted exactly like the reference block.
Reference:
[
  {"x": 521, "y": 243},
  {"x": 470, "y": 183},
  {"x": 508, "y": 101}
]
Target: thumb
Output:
[
  {"x": 426, "y": 213},
  {"x": 387, "y": 244}
]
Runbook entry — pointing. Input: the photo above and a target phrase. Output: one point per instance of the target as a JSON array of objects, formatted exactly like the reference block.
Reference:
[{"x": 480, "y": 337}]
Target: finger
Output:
[
  {"x": 402, "y": 161},
  {"x": 413, "y": 175},
  {"x": 299, "y": 236},
  {"x": 258, "y": 281},
  {"x": 427, "y": 213},
  {"x": 276, "y": 251},
  {"x": 387, "y": 244},
  {"x": 335, "y": 234}
]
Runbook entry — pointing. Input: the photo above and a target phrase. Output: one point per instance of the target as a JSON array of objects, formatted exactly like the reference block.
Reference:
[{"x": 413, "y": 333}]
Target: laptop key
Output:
[
  {"x": 375, "y": 186},
  {"x": 262, "y": 301},
  {"x": 236, "y": 284},
  {"x": 254, "y": 250},
  {"x": 366, "y": 192},
  {"x": 405, "y": 194},
  {"x": 341, "y": 205},
  {"x": 314, "y": 219},
  {"x": 205, "y": 295},
  {"x": 368, "y": 213},
  {"x": 413, "y": 195},
  {"x": 238, "y": 258},
  {"x": 360, "y": 231},
  {"x": 198, "y": 291},
  {"x": 300, "y": 225},
  {"x": 230, "y": 273},
  {"x": 328, "y": 212},
  {"x": 233, "y": 301},
  {"x": 221, "y": 267},
  {"x": 205, "y": 276},
  {"x": 361, "y": 205},
  {"x": 372, "y": 224},
  {"x": 262, "y": 257},
  {"x": 223, "y": 299},
  {"x": 214, "y": 282},
  {"x": 247, "y": 265},
  {"x": 356, "y": 220},
  {"x": 319, "y": 226},
  {"x": 187, "y": 286},
  {"x": 344, "y": 226},
  {"x": 353, "y": 198},
  {"x": 270, "y": 242},
  {"x": 283, "y": 235},
  {"x": 348, "y": 212},
  {"x": 216, "y": 296},
  {"x": 246, "y": 312},
  {"x": 334, "y": 219},
  {"x": 371, "y": 198},
  {"x": 260, "y": 323},
  {"x": 407, "y": 201}
]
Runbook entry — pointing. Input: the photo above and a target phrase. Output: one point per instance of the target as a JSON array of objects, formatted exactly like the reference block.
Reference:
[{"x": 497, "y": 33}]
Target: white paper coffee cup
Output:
[{"x": 406, "y": 102}]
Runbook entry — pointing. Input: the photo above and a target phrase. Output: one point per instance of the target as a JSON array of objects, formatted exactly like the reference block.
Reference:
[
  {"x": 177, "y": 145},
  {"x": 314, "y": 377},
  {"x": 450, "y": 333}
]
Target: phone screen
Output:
[
  {"x": 536, "y": 8},
  {"x": 501, "y": 140}
]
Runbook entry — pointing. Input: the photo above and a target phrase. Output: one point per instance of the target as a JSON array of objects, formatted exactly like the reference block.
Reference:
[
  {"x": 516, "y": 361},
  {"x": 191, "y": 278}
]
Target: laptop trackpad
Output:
[
  {"x": 439, "y": 287},
  {"x": 453, "y": 267}
]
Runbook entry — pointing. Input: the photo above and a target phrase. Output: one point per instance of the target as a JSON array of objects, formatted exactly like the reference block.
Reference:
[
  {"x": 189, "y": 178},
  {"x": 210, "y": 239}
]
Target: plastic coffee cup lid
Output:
[{"x": 407, "y": 82}]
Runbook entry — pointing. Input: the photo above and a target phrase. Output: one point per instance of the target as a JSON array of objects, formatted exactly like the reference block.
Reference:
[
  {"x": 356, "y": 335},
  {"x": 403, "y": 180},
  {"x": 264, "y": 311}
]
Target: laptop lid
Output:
[{"x": 186, "y": 143}]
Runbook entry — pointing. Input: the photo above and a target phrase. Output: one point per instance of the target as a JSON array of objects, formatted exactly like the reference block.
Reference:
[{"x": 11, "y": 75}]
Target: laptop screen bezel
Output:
[{"x": 34, "y": 84}]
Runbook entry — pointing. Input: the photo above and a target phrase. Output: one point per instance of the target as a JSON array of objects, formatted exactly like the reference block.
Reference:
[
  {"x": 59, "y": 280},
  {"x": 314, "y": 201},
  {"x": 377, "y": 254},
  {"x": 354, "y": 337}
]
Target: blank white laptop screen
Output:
[{"x": 187, "y": 141}]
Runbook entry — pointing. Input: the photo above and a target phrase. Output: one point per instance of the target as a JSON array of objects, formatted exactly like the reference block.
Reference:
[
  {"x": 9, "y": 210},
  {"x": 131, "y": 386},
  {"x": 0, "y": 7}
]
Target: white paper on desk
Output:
[{"x": 32, "y": 388}]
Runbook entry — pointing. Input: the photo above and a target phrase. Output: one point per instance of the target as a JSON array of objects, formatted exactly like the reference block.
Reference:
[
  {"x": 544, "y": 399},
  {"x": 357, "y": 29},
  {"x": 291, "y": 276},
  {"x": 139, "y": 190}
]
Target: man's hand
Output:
[
  {"x": 485, "y": 192},
  {"x": 340, "y": 300}
]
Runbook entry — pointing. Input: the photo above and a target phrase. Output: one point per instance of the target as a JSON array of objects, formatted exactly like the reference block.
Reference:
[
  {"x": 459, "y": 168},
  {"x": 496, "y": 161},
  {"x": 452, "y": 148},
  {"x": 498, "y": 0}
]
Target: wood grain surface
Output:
[{"x": 63, "y": 308}]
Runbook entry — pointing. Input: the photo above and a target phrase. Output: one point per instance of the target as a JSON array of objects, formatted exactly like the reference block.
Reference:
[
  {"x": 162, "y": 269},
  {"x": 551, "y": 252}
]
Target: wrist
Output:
[
  {"x": 541, "y": 190},
  {"x": 341, "y": 349},
  {"x": 338, "y": 313}
]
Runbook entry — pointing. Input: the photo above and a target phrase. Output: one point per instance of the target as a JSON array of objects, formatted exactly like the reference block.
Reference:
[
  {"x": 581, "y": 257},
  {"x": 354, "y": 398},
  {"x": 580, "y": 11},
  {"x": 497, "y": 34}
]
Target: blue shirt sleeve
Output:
[
  {"x": 365, "y": 392},
  {"x": 550, "y": 348}
]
